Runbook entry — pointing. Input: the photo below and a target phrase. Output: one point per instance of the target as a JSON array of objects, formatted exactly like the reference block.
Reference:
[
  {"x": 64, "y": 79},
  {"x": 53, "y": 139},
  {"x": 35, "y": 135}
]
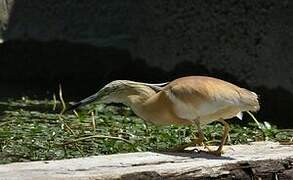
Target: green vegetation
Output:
[{"x": 32, "y": 130}]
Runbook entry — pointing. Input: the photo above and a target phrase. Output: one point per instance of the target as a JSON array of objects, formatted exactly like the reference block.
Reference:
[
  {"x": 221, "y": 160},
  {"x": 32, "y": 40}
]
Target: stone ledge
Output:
[{"x": 266, "y": 160}]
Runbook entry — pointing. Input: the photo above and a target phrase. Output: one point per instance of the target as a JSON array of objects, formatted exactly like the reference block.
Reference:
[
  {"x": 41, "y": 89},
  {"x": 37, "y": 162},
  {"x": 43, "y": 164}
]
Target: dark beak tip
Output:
[
  {"x": 72, "y": 107},
  {"x": 72, "y": 103}
]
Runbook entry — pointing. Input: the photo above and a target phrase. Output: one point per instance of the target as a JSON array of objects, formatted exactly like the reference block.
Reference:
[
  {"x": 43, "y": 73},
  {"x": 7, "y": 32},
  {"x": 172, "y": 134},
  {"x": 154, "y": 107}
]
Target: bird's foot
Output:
[
  {"x": 183, "y": 147},
  {"x": 217, "y": 152},
  {"x": 198, "y": 141},
  {"x": 179, "y": 148},
  {"x": 187, "y": 148}
]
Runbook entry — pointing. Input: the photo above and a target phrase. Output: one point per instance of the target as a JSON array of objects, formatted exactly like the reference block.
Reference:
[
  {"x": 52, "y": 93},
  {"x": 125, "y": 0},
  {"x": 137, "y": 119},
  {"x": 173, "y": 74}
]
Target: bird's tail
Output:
[{"x": 250, "y": 100}]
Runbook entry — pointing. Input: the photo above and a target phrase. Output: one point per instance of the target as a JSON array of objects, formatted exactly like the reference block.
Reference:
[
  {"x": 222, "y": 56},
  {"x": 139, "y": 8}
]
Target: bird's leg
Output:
[
  {"x": 223, "y": 141},
  {"x": 225, "y": 135},
  {"x": 200, "y": 138},
  {"x": 197, "y": 141}
]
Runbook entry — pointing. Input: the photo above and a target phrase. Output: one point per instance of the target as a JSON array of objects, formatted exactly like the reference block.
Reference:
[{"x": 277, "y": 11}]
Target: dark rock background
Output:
[{"x": 85, "y": 44}]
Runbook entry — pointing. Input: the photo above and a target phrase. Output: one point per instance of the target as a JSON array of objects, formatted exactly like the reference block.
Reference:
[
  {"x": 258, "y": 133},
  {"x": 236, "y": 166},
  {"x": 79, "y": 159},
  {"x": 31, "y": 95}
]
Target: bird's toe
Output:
[{"x": 216, "y": 153}]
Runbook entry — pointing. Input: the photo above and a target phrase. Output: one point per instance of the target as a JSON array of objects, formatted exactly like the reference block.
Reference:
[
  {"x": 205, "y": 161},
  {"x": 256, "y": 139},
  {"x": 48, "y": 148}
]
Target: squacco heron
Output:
[{"x": 197, "y": 100}]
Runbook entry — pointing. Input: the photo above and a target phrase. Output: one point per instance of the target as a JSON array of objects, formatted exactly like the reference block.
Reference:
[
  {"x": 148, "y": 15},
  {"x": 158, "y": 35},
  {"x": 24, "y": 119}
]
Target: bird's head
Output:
[
  {"x": 115, "y": 91},
  {"x": 118, "y": 91}
]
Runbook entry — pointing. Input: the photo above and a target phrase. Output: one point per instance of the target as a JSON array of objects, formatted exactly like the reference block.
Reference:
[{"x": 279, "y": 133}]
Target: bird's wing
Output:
[{"x": 196, "y": 97}]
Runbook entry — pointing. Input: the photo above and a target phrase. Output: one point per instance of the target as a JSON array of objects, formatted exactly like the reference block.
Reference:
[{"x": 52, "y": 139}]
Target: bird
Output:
[{"x": 190, "y": 100}]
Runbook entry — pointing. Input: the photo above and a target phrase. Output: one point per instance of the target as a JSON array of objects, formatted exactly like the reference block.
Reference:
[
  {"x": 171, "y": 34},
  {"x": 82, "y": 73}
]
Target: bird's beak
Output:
[{"x": 95, "y": 97}]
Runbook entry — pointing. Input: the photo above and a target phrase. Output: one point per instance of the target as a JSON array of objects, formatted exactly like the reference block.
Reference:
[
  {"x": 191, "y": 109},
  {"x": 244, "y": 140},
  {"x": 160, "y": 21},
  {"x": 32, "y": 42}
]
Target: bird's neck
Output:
[
  {"x": 137, "y": 99},
  {"x": 138, "y": 96}
]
